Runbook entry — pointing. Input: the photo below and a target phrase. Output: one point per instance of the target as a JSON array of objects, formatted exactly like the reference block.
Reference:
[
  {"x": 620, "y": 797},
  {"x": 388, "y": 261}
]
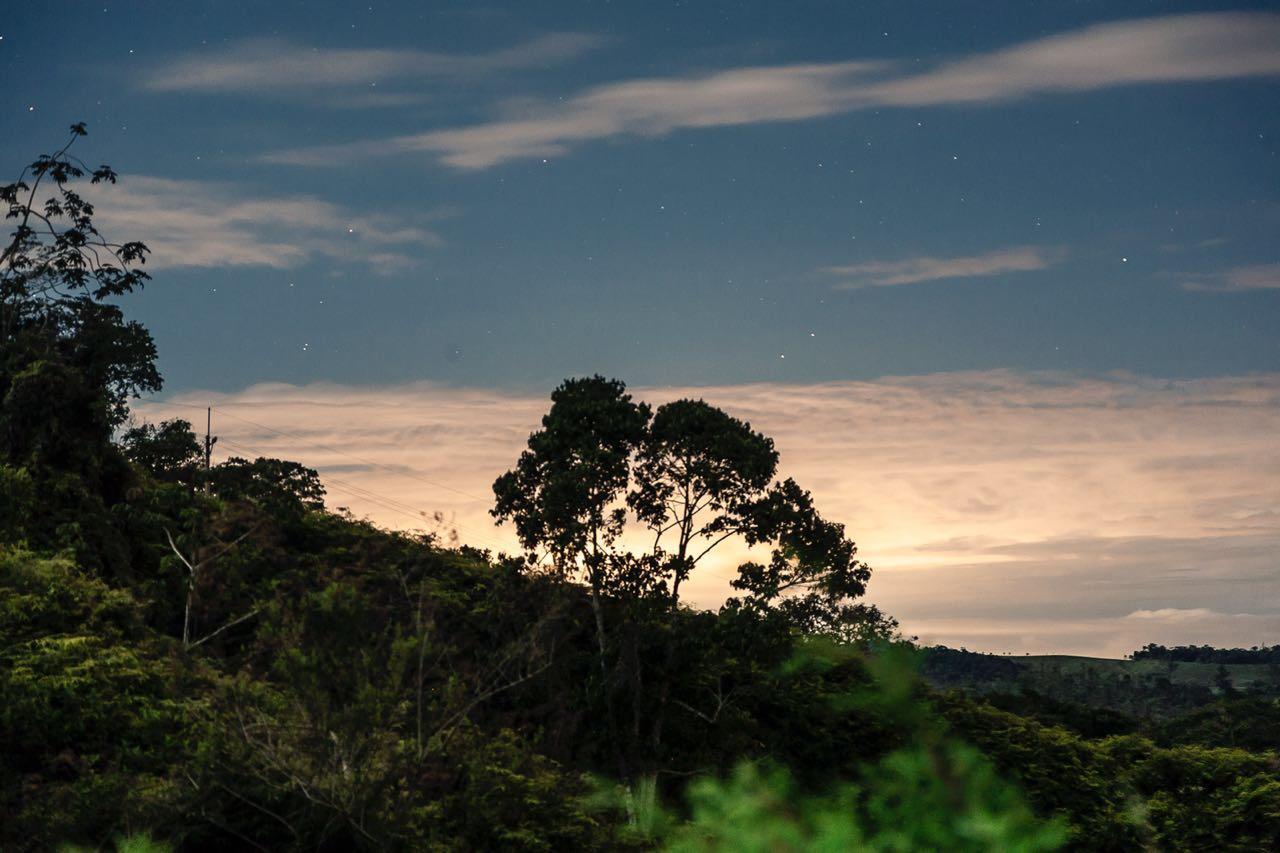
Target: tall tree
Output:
[
  {"x": 565, "y": 492},
  {"x": 70, "y": 360},
  {"x": 695, "y": 477},
  {"x": 698, "y": 472}
]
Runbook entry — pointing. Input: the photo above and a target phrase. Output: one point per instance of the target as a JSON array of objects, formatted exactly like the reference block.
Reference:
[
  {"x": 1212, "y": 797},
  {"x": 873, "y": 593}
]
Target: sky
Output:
[{"x": 1002, "y": 279}]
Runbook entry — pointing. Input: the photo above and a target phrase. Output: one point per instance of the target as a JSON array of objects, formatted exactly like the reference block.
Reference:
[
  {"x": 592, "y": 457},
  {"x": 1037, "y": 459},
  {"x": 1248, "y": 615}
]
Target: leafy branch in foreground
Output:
[{"x": 933, "y": 793}]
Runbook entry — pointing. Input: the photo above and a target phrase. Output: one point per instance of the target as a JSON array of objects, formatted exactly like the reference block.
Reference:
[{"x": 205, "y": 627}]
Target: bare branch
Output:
[{"x": 231, "y": 624}]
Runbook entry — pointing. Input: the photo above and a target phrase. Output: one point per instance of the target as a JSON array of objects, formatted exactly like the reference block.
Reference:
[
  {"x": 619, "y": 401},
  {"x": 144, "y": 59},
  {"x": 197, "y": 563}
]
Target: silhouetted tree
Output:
[
  {"x": 564, "y": 492},
  {"x": 284, "y": 488},
  {"x": 698, "y": 474},
  {"x": 169, "y": 450},
  {"x": 70, "y": 360},
  {"x": 695, "y": 477}
]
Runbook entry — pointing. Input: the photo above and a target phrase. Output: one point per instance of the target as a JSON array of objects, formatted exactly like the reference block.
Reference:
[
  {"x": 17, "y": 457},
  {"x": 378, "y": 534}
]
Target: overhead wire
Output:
[
  {"x": 379, "y": 500},
  {"x": 363, "y": 493},
  {"x": 410, "y": 474}
]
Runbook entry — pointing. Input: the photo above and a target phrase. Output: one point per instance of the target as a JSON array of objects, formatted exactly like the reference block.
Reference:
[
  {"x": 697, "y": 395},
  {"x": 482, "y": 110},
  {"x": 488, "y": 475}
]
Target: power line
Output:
[
  {"x": 409, "y": 474},
  {"x": 373, "y": 497},
  {"x": 352, "y": 490},
  {"x": 377, "y": 499}
]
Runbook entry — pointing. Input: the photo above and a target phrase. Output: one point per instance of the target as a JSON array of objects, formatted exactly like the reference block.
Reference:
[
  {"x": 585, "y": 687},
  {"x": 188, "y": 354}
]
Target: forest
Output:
[{"x": 199, "y": 656}]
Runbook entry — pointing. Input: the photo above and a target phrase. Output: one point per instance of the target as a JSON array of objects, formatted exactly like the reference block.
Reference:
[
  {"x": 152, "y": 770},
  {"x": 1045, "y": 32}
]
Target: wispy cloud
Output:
[
  {"x": 1000, "y": 510},
  {"x": 915, "y": 270},
  {"x": 652, "y": 107},
  {"x": 1176, "y": 614},
  {"x": 1235, "y": 280},
  {"x": 204, "y": 224},
  {"x": 1209, "y": 243},
  {"x": 268, "y": 67},
  {"x": 1180, "y": 48}
]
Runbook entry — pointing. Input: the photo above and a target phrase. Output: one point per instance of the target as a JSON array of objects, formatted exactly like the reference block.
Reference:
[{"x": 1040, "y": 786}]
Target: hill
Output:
[{"x": 1142, "y": 688}]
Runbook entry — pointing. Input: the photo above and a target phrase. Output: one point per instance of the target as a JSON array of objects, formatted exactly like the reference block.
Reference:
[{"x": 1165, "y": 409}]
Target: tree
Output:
[
  {"x": 698, "y": 473},
  {"x": 169, "y": 450},
  {"x": 564, "y": 492},
  {"x": 57, "y": 271},
  {"x": 70, "y": 360},
  {"x": 285, "y": 489},
  {"x": 694, "y": 476}
]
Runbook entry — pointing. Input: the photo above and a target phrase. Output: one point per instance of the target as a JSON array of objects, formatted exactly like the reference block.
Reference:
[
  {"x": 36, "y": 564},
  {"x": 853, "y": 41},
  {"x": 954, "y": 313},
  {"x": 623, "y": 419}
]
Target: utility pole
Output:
[{"x": 208, "y": 437}]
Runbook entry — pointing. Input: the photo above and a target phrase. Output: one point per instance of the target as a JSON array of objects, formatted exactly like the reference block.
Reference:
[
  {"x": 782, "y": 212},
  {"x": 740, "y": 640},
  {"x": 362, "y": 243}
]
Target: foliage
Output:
[
  {"x": 906, "y": 805},
  {"x": 933, "y": 793},
  {"x": 1245, "y": 722},
  {"x": 139, "y": 843},
  {"x": 281, "y": 487},
  {"x": 90, "y": 724},
  {"x": 70, "y": 359},
  {"x": 168, "y": 450}
]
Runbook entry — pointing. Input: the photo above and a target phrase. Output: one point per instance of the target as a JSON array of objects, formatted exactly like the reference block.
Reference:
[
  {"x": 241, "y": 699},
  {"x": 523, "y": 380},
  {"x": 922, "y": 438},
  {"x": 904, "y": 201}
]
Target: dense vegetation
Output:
[{"x": 208, "y": 657}]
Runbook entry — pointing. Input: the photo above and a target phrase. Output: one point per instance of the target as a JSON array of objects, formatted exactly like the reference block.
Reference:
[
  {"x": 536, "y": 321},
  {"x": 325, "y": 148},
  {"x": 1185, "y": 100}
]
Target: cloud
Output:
[
  {"x": 205, "y": 224},
  {"x": 269, "y": 67},
  {"x": 999, "y": 509},
  {"x": 1236, "y": 280},
  {"x": 1174, "y": 614},
  {"x": 652, "y": 107},
  {"x": 915, "y": 270},
  {"x": 1178, "y": 48},
  {"x": 1183, "y": 48}
]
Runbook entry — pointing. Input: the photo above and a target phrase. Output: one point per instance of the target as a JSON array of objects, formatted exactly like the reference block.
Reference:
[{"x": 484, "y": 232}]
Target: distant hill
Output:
[{"x": 1142, "y": 688}]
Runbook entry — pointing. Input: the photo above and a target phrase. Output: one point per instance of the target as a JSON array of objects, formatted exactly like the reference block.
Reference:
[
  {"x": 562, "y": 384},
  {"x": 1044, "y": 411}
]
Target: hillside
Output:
[{"x": 1143, "y": 688}]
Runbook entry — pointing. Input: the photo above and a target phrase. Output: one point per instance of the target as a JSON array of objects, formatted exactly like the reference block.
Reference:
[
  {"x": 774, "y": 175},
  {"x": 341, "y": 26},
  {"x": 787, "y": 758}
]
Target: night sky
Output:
[{"x": 1018, "y": 207}]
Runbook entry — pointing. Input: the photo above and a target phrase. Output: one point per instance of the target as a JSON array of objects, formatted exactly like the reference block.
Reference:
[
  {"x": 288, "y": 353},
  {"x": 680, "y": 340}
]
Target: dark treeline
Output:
[
  {"x": 209, "y": 658},
  {"x": 957, "y": 667},
  {"x": 1209, "y": 654}
]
